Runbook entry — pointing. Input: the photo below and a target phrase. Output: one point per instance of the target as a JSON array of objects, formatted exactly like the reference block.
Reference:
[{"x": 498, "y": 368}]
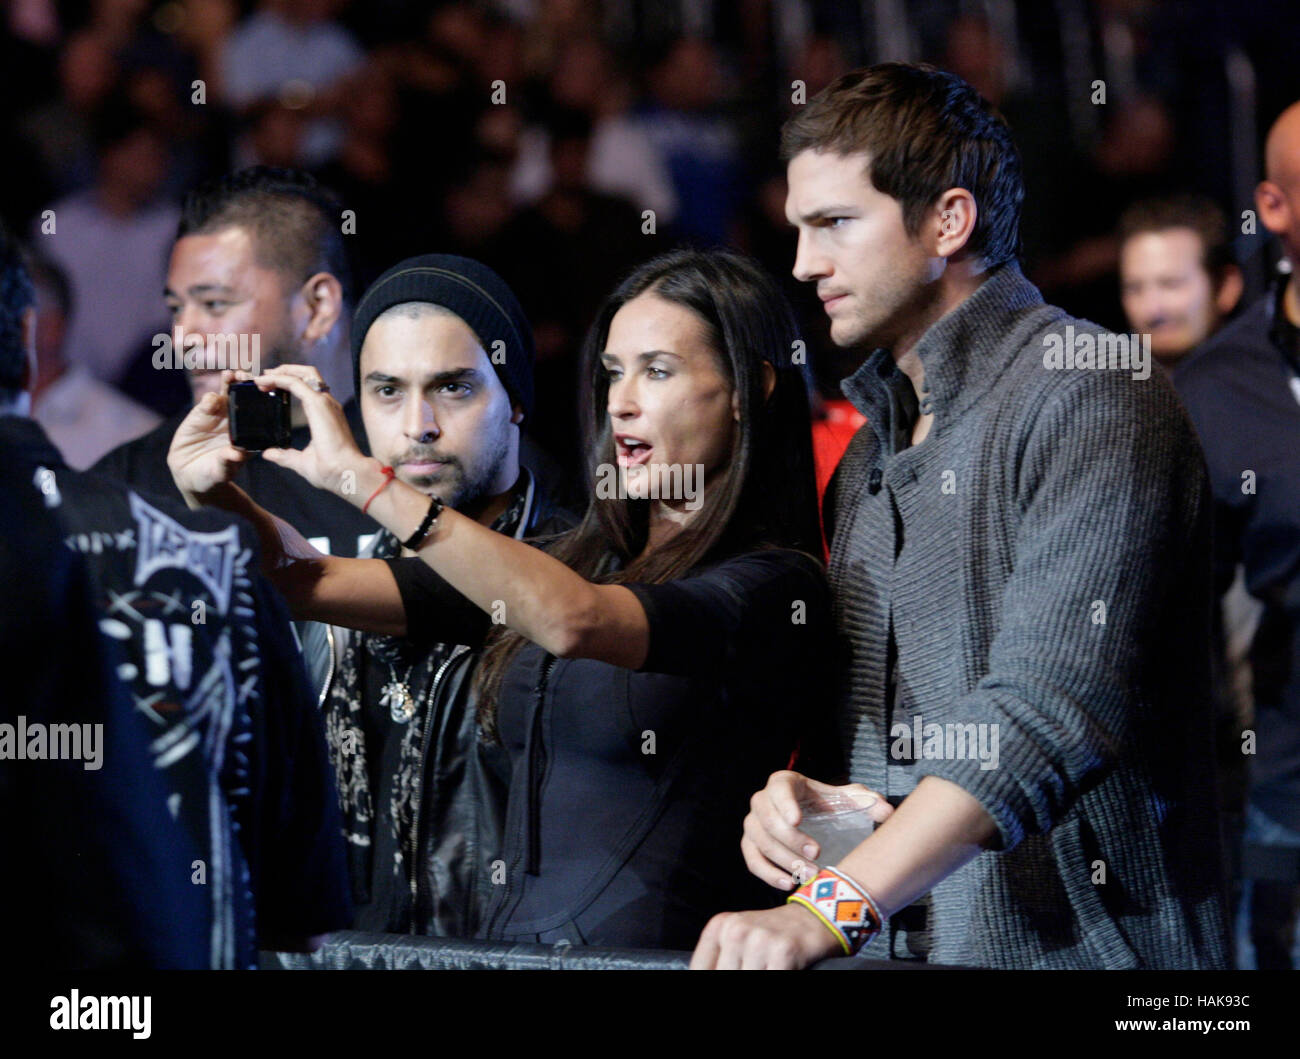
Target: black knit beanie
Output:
[{"x": 473, "y": 292}]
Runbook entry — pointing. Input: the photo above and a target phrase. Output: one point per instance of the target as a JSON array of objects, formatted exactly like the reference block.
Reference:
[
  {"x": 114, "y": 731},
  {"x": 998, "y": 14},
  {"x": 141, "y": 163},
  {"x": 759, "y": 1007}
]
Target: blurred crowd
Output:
[{"x": 564, "y": 141}]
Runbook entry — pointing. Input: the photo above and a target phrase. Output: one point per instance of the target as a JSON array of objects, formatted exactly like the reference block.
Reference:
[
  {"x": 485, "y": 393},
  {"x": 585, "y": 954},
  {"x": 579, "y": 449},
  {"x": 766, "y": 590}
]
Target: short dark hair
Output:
[
  {"x": 294, "y": 221},
  {"x": 1195, "y": 212},
  {"x": 923, "y": 131},
  {"x": 17, "y": 295}
]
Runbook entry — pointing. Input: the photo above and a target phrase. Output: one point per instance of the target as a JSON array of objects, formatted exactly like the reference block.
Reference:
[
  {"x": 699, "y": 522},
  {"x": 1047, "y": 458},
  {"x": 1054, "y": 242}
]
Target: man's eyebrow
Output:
[
  {"x": 823, "y": 212},
  {"x": 200, "y": 289},
  {"x": 458, "y": 375},
  {"x": 437, "y": 379}
]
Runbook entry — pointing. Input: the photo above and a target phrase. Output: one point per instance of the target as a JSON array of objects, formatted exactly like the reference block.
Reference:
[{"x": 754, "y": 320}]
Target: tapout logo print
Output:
[{"x": 164, "y": 542}]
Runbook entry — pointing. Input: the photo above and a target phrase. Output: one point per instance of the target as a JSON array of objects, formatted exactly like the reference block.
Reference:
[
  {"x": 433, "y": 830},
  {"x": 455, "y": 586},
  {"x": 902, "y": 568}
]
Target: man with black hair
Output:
[
  {"x": 260, "y": 254},
  {"x": 259, "y": 266},
  {"x": 280, "y": 233},
  {"x": 443, "y": 359},
  {"x": 211, "y": 666}
]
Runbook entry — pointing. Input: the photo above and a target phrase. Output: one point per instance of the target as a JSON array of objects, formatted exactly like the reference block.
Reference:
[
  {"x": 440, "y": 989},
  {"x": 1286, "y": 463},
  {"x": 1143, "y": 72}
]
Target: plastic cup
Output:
[{"x": 838, "y": 822}]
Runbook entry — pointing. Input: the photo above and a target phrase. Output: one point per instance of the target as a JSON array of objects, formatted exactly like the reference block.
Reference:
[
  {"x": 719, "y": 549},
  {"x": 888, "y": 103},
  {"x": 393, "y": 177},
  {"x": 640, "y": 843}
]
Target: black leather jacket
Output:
[{"x": 464, "y": 781}]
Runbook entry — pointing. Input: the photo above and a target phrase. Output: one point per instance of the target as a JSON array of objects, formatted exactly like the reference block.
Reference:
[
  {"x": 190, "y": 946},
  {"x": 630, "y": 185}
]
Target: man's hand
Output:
[
  {"x": 776, "y": 939},
  {"x": 201, "y": 457},
  {"x": 333, "y": 452},
  {"x": 773, "y": 847}
]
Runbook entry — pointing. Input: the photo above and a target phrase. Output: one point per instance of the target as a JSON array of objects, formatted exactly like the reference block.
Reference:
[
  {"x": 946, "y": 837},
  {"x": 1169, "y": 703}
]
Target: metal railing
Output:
[{"x": 351, "y": 950}]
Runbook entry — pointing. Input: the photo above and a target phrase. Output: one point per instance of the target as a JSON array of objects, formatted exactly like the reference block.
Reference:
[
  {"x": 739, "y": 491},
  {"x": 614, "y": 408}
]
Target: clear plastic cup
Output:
[{"x": 838, "y": 822}]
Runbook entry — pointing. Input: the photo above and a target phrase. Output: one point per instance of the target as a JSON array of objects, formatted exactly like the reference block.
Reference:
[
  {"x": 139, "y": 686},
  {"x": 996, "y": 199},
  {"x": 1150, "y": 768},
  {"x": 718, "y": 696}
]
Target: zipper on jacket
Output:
[
  {"x": 425, "y": 736},
  {"x": 536, "y": 763},
  {"x": 329, "y": 669},
  {"x": 531, "y": 824}
]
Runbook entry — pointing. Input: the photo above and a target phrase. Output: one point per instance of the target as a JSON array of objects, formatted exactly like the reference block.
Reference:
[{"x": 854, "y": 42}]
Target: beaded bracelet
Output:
[{"x": 842, "y": 906}]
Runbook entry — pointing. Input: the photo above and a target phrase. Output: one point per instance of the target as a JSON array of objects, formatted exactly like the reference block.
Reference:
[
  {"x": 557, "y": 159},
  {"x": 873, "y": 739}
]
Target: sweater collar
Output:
[{"x": 963, "y": 352}]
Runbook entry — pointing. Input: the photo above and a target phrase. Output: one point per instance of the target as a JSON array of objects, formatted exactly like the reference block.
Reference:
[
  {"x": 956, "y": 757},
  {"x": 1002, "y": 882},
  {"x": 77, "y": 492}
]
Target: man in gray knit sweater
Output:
[{"x": 1020, "y": 553}]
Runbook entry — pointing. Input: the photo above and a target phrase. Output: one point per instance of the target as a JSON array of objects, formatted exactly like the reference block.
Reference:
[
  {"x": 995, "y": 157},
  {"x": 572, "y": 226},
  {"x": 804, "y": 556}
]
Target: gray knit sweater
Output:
[{"x": 1024, "y": 600}]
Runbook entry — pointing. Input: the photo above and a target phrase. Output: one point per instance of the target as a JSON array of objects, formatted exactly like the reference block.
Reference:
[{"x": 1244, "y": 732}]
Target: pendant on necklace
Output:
[{"x": 397, "y": 697}]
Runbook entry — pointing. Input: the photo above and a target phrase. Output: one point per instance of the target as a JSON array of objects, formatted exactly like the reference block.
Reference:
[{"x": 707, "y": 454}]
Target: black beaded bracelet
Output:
[{"x": 430, "y": 517}]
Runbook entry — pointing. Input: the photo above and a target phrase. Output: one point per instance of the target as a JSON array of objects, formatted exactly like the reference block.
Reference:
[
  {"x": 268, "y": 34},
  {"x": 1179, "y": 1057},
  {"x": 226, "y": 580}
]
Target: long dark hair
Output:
[{"x": 766, "y": 494}]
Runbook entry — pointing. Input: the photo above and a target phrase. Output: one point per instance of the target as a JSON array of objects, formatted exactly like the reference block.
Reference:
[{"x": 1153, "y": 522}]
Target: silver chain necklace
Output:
[{"x": 397, "y": 697}]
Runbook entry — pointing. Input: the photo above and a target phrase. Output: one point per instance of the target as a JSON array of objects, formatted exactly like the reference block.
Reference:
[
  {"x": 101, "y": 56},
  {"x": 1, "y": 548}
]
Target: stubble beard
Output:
[
  {"x": 468, "y": 489},
  {"x": 477, "y": 488},
  {"x": 864, "y": 330},
  {"x": 883, "y": 325}
]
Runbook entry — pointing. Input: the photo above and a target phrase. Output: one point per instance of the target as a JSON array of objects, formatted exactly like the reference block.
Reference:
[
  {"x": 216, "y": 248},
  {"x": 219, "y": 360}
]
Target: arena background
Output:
[
  {"x": 564, "y": 141},
  {"x": 534, "y": 135}
]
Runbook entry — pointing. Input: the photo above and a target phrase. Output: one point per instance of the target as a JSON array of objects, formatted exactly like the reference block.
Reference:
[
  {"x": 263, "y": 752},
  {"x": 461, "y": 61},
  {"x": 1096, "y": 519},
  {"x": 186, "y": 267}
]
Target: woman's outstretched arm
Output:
[
  {"x": 531, "y": 592},
  {"x": 358, "y": 593}
]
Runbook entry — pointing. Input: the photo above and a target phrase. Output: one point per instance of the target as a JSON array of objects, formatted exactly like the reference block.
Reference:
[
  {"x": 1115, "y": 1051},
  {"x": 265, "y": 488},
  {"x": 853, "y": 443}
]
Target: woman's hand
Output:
[
  {"x": 332, "y": 460},
  {"x": 201, "y": 457},
  {"x": 774, "y": 939},
  {"x": 775, "y": 850}
]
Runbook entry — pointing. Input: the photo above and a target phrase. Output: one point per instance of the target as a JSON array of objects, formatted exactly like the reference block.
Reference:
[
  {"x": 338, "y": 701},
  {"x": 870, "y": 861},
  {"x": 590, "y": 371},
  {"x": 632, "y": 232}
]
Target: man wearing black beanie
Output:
[
  {"x": 471, "y": 291},
  {"x": 443, "y": 368}
]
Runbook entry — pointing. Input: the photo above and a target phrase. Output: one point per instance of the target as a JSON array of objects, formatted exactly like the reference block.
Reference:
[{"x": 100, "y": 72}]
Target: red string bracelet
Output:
[{"x": 388, "y": 473}]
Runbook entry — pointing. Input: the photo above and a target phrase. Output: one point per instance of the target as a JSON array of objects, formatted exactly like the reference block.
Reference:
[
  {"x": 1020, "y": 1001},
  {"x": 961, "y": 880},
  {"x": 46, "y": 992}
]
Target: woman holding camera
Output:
[{"x": 647, "y": 670}]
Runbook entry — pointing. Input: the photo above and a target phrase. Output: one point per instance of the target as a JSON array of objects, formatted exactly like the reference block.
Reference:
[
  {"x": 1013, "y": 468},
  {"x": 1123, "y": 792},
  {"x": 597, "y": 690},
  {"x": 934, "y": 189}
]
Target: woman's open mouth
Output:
[{"x": 632, "y": 451}]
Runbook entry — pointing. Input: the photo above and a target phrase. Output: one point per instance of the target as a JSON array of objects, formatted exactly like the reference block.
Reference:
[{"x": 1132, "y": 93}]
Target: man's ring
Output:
[{"x": 320, "y": 386}]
